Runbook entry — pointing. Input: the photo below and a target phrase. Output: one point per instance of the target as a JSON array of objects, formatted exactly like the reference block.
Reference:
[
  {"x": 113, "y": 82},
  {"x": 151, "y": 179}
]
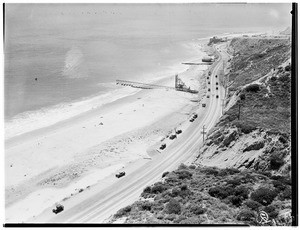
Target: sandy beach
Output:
[{"x": 78, "y": 152}]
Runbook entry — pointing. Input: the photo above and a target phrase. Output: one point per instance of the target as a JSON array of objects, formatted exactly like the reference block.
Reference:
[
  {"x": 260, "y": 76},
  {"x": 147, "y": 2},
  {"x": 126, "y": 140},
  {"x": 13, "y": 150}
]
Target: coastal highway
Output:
[{"x": 98, "y": 206}]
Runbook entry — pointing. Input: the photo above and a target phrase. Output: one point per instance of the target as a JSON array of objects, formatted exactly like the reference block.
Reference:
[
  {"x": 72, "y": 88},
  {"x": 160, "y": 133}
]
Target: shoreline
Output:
[
  {"x": 136, "y": 135},
  {"x": 32, "y": 120}
]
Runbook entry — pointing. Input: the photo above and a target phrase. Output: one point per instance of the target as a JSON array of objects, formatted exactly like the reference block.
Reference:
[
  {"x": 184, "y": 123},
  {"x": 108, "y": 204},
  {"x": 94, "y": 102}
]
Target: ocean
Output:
[{"x": 63, "y": 56}]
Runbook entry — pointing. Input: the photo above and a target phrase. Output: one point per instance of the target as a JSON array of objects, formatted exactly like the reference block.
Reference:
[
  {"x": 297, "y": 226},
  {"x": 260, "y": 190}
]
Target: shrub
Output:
[
  {"x": 236, "y": 200},
  {"x": 164, "y": 174},
  {"x": 287, "y": 68},
  {"x": 146, "y": 206},
  {"x": 248, "y": 178},
  {"x": 184, "y": 174},
  {"x": 286, "y": 194},
  {"x": 210, "y": 171},
  {"x": 242, "y": 192},
  {"x": 184, "y": 187},
  {"x": 265, "y": 196},
  {"x": 283, "y": 140},
  {"x": 246, "y": 215},
  {"x": 182, "y": 166},
  {"x": 170, "y": 217},
  {"x": 158, "y": 188},
  {"x": 175, "y": 192},
  {"x": 244, "y": 127},
  {"x": 192, "y": 166},
  {"x": 252, "y": 88},
  {"x": 252, "y": 204},
  {"x": 228, "y": 171},
  {"x": 234, "y": 182},
  {"x": 198, "y": 210},
  {"x": 221, "y": 192},
  {"x": 173, "y": 206},
  {"x": 275, "y": 162},
  {"x": 272, "y": 212},
  {"x": 123, "y": 211},
  {"x": 279, "y": 185},
  {"x": 147, "y": 189},
  {"x": 242, "y": 96}
]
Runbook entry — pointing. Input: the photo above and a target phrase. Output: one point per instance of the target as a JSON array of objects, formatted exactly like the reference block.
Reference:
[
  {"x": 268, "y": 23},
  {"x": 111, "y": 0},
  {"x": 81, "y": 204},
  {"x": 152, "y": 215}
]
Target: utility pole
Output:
[
  {"x": 203, "y": 132},
  {"x": 223, "y": 105}
]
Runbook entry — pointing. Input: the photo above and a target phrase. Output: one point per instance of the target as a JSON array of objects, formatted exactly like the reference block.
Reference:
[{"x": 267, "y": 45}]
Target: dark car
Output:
[
  {"x": 207, "y": 77},
  {"x": 59, "y": 208},
  {"x": 163, "y": 146},
  {"x": 216, "y": 88},
  {"x": 217, "y": 83},
  {"x": 178, "y": 131},
  {"x": 209, "y": 82},
  {"x": 195, "y": 116},
  {"x": 120, "y": 174},
  {"x": 203, "y": 105},
  {"x": 208, "y": 90},
  {"x": 192, "y": 119},
  {"x": 173, "y": 136},
  {"x": 216, "y": 75},
  {"x": 217, "y": 96},
  {"x": 207, "y": 96}
]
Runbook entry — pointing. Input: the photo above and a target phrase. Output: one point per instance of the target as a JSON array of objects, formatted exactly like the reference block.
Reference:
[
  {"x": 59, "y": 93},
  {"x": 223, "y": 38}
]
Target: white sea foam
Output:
[{"x": 32, "y": 120}]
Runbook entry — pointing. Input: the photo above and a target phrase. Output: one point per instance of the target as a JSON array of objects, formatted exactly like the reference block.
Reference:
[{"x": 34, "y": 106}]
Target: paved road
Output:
[{"x": 101, "y": 205}]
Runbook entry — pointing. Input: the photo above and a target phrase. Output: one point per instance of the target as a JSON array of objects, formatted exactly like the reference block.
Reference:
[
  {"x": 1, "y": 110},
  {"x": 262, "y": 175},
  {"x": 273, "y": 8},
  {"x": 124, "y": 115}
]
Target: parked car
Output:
[
  {"x": 217, "y": 96},
  {"x": 59, "y": 208},
  {"x": 216, "y": 75},
  {"x": 203, "y": 105},
  {"x": 195, "y": 116},
  {"x": 120, "y": 174},
  {"x": 217, "y": 83},
  {"x": 207, "y": 96},
  {"x": 217, "y": 88},
  {"x": 209, "y": 82},
  {"x": 208, "y": 90}
]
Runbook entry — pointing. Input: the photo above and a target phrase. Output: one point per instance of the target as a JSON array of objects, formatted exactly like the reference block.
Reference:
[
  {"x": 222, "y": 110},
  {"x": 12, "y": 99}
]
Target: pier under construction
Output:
[{"x": 179, "y": 85}]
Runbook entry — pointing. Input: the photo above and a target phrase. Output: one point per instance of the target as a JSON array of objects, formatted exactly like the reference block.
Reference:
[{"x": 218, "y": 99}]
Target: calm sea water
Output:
[{"x": 62, "y": 53}]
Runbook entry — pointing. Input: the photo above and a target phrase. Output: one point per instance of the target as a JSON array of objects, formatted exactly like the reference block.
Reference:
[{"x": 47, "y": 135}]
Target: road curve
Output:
[{"x": 99, "y": 207}]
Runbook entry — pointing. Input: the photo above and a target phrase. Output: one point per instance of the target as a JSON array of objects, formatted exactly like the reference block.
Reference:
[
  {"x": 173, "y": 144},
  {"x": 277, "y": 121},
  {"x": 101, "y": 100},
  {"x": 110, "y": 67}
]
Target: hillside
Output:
[
  {"x": 206, "y": 195},
  {"x": 243, "y": 166}
]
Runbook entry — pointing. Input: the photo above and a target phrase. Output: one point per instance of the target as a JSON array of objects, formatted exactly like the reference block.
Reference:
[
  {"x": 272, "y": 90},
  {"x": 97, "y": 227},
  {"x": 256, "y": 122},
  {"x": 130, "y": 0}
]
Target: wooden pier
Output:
[{"x": 140, "y": 85}]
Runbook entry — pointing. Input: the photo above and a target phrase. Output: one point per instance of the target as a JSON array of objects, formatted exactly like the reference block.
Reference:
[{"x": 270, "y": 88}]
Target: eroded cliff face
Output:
[{"x": 254, "y": 132}]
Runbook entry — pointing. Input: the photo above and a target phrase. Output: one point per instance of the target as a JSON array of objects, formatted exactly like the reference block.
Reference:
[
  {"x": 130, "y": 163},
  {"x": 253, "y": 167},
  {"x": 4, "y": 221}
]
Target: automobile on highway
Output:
[
  {"x": 120, "y": 174},
  {"x": 59, "y": 208}
]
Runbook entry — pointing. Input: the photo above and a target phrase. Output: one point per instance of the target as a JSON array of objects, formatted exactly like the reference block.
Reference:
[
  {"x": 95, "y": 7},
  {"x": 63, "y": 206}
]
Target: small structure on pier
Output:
[{"x": 179, "y": 85}]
